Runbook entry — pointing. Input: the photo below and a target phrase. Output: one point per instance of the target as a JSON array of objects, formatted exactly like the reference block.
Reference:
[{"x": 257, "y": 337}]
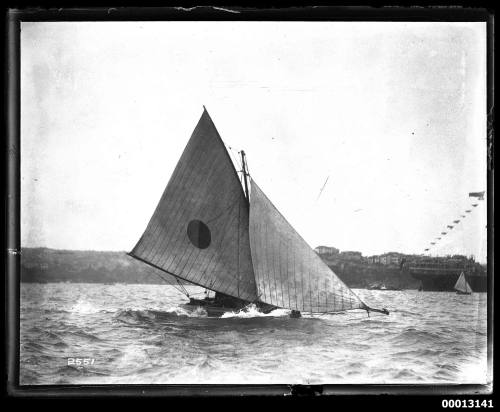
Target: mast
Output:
[{"x": 245, "y": 173}]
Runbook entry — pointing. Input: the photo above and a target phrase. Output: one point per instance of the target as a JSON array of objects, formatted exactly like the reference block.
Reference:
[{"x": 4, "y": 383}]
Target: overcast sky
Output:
[{"x": 392, "y": 114}]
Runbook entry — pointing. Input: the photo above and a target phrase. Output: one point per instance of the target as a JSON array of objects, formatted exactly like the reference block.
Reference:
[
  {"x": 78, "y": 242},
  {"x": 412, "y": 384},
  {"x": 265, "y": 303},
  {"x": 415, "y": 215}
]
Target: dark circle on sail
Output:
[{"x": 199, "y": 234}]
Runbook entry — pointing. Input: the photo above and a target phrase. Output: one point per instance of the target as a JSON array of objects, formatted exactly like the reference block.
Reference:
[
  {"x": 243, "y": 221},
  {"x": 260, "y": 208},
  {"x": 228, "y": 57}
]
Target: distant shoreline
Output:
[{"x": 44, "y": 265}]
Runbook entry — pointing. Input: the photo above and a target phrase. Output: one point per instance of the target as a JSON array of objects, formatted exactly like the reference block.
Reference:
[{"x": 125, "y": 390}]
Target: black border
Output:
[{"x": 356, "y": 393}]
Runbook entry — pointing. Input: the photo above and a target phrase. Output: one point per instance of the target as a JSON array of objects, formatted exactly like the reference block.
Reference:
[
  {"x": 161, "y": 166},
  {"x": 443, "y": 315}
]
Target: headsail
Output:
[
  {"x": 199, "y": 230},
  {"x": 288, "y": 272},
  {"x": 462, "y": 285}
]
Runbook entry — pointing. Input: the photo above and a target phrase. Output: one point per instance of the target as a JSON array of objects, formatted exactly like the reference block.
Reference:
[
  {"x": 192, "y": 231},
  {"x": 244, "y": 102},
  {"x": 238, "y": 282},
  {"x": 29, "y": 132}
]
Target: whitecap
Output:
[
  {"x": 84, "y": 307},
  {"x": 251, "y": 311}
]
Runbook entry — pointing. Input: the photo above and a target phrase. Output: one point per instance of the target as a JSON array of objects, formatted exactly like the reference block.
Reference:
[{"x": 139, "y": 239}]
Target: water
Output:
[{"x": 141, "y": 334}]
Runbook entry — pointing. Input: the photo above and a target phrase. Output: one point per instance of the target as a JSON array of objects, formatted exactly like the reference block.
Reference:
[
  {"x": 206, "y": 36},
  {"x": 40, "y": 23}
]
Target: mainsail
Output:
[
  {"x": 199, "y": 230},
  {"x": 288, "y": 273},
  {"x": 462, "y": 285}
]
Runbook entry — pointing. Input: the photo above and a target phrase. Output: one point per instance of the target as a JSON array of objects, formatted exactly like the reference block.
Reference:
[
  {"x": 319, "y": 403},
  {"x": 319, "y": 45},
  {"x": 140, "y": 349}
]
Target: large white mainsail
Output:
[
  {"x": 288, "y": 273},
  {"x": 199, "y": 230},
  {"x": 462, "y": 285}
]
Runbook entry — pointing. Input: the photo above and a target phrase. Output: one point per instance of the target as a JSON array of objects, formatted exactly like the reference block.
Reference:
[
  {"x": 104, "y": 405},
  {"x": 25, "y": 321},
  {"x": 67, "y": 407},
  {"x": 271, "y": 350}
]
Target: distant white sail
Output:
[{"x": 462, "y": 285}]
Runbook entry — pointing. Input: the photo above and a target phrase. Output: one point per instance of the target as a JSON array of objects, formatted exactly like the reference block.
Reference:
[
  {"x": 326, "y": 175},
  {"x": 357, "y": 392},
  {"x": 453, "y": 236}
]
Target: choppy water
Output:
[{"x": 141, "y": 334}]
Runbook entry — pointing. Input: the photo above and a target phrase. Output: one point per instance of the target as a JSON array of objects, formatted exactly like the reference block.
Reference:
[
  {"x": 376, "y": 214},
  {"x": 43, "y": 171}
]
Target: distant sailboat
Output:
[
  {"x": 210, "y": 232},
  {"x": 462, "y": 287}
]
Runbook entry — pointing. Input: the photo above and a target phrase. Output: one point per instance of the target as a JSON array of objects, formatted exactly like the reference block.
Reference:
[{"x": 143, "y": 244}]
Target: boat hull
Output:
[
  {"x": 215, "y": 308},
  {"x": 213, "y": 311}
]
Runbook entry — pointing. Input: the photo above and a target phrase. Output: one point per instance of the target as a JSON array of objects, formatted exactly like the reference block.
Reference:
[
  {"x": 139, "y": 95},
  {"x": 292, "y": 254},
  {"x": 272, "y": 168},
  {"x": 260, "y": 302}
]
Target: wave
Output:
[
  {"x": 418, "y": 353},
  {"x": 79, "y": 308},
  {"x": 252, "y": 311},
  {"x": 85, "y": 335},
  {"x": 85, "y": 308},
  {"x": 407, "y": 373},
  {"x": 415, "y": 336},
  {"x": 32, "y": 347},
  {"x": 141, "y": 315},
  {"x": 78, "y": 371},
  {"x": 140, "y": 334}
]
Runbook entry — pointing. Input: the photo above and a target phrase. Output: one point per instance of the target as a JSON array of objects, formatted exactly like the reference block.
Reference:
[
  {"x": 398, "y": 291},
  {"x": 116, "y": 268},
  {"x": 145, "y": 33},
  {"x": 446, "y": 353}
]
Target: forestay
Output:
[
  {"x": 199, "y": 230},
  {"x": 288, "y": 272}
]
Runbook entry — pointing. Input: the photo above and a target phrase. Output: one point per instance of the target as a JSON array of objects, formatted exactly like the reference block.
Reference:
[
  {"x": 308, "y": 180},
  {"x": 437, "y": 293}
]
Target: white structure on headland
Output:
[{"x": 326, "y": 250}]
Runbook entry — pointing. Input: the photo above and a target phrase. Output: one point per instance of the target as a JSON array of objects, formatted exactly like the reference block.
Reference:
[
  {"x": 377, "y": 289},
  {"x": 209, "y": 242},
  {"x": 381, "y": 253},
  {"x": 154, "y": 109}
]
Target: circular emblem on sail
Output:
[{"x": 199, "y": 234}]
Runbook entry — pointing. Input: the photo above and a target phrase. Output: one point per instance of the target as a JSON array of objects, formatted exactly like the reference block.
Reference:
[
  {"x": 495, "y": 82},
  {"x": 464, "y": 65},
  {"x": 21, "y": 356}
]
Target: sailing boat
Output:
[
  {"x": 462, "y": 287},
  {"x": 211, "y": 231}
]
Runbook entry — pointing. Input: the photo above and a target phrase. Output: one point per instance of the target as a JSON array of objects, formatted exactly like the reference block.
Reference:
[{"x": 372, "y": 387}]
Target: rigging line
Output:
[
  {"x": 183, "y": 288},
  {"x": 239, "y": 162},
  {"x": 179, "y": 290},
  {"x": 162, "y": 278},
  {"x": 234, "y": 157}
]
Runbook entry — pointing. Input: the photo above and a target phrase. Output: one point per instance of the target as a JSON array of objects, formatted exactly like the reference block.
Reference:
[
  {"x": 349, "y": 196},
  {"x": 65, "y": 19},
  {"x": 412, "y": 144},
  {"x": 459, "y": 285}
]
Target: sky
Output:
[{"x": 392, "y": 116}]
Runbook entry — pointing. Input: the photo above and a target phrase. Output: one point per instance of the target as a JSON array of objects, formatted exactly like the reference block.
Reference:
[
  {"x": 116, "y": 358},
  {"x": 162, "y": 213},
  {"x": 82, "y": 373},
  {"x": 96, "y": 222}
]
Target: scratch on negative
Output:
[
  {"x": 185, "y": 8},
  {"x": 212, "y": 7},
  {"x": 224, "y": 9}
]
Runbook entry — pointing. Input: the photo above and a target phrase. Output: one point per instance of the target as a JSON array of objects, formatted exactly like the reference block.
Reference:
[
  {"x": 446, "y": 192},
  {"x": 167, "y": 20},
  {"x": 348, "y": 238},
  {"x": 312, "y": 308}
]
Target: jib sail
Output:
[{"x": 288, "y": 273}]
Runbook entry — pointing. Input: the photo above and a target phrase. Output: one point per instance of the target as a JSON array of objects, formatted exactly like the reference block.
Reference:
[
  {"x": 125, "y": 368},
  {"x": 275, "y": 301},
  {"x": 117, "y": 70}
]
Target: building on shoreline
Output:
[
  {"x": 326, "y": 250},
  {"x": 397, "y": 270}
]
